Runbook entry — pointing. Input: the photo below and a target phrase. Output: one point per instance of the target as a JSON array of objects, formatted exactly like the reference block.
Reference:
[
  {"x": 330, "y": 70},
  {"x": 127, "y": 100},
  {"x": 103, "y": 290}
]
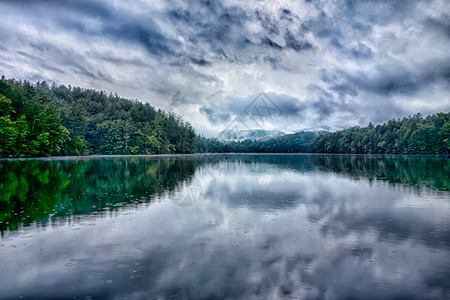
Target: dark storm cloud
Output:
[
  {"x": 115, "y": 24},
  {"x": 322, "y": 61},
  {"x": 401, "y": 81},
  {"x": 296, "y": 44},
  {"x": 389, "y": 80},
  {"x": 342, "y": 99},
  {"x": 281, "y": 105},
  {"x": 223, "y": 29},
  {"x": 214, "y": 116},
  {"x": 83, "y": 7},
  {"x": 41, "y": 62},
  {"x": 361, "y": 51},
  {"x": 380, "y": 11},
  {"x": 319, "y": 106},
  {"x": 145, "y": 34},
  {"x": 323, "y": 104},
  {"x": 121, "y": 61},
  {"x": 68, "y": 59},
  {"x": 208, "y": 22},
  {"x": 440, "y": 25},
  {"x": 322, "y": 26},
  {"x": 200, "y": 61},
  {"x": 323, "y": 107},
  {"x": 289, "y": 106}
]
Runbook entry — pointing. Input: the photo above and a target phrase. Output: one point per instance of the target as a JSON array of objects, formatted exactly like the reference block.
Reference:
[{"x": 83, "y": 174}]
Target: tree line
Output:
[
  {"x": 46, "y": 120},
  {"x": 290, "y": 143},
  {"x": 411, "y": 135}
]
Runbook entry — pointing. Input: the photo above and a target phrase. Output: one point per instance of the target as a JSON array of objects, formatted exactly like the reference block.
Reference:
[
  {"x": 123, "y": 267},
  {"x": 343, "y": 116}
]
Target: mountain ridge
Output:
[{"x": 262, "y": 134}]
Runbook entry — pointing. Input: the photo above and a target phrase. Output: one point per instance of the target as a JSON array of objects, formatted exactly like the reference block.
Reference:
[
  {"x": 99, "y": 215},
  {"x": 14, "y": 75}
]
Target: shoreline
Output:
[{"x": 99, "y": 156}]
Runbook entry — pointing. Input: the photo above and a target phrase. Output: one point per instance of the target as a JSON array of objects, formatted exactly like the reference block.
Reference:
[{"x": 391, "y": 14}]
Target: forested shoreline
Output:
[
  {"x": 410, "y": 135},
  {"x": 49, "y": 120},
  {"x": 416, "y": 134}
]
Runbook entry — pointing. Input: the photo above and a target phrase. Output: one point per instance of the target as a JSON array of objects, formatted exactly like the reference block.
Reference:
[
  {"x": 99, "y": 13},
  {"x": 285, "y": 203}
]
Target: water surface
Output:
[{"x": 225, "y": 227}]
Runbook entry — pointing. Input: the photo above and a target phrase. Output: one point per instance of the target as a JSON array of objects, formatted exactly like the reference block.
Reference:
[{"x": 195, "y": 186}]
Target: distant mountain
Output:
[
  {"x": 319, "y": 128},
  {"x": 287, "y": 143},
  {"x": 261, "y": 134},
  {"x": 257, "y": 134}
]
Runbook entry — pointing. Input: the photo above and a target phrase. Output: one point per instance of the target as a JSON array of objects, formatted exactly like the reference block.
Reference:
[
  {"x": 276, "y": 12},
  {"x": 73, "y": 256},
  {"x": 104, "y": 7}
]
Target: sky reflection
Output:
[{"x": 260, "y": 230}]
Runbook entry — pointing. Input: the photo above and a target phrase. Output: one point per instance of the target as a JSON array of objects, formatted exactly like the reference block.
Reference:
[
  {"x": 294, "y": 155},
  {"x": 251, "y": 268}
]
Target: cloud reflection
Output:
[{"x": 306, "y": 233}]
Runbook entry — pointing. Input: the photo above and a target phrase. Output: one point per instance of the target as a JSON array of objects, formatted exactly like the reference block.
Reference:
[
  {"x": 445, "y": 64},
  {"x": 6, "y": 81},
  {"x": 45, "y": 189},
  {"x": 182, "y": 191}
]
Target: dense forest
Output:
[
  {"x": 290, "y": 143},
  {"x": 46, "y": 120},
  {"x": 411, "y": 135}
]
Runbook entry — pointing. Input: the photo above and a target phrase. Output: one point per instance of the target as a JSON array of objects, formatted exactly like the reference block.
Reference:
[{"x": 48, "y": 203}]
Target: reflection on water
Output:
[
  {"x": 414, "y": 170},
  {"x": 37, "y": 190},
  {"x": 255, "y": 227}
]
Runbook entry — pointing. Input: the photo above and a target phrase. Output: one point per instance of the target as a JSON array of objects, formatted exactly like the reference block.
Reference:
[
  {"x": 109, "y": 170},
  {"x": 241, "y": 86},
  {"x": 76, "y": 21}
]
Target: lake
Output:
[{"x": 225, "y": 227}]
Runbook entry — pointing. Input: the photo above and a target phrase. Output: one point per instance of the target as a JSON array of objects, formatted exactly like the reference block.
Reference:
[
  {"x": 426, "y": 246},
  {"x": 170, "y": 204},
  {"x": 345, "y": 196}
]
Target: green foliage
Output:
[
  {"x": 412, "y": 135},
  {"x": 43, "y": 120},
  {"x": 39, "y": 190},
  {"x": 417, "y": 171}
]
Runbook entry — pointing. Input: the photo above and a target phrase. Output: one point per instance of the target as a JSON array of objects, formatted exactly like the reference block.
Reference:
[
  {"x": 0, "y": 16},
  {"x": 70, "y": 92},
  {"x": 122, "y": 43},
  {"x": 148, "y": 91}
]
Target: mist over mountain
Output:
[{"x": 256, "y": 134}]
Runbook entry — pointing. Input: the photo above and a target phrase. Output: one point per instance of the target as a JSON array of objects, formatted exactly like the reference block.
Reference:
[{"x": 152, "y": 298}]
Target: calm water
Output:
[{"x": 225, "y": 227}]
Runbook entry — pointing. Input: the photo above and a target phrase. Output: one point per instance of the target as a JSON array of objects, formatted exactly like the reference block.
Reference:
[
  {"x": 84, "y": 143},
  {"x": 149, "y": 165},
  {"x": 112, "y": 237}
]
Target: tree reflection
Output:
[
  {"x": 37, "y": 190},
  {"x": 413, "y": 170}
]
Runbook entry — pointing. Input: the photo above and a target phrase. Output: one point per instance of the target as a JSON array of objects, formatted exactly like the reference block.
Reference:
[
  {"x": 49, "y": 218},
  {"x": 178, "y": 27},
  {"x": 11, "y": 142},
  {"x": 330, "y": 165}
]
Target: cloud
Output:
[
  {"x": 214, "y": 116},
  {"x": 439, "y": 24},
  {"x": 337, "y": 65}
]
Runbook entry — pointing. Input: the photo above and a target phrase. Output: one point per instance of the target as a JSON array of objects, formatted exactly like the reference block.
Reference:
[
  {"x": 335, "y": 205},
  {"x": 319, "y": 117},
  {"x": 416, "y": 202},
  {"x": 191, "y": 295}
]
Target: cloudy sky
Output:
[{"x": 319, "y": 63}]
